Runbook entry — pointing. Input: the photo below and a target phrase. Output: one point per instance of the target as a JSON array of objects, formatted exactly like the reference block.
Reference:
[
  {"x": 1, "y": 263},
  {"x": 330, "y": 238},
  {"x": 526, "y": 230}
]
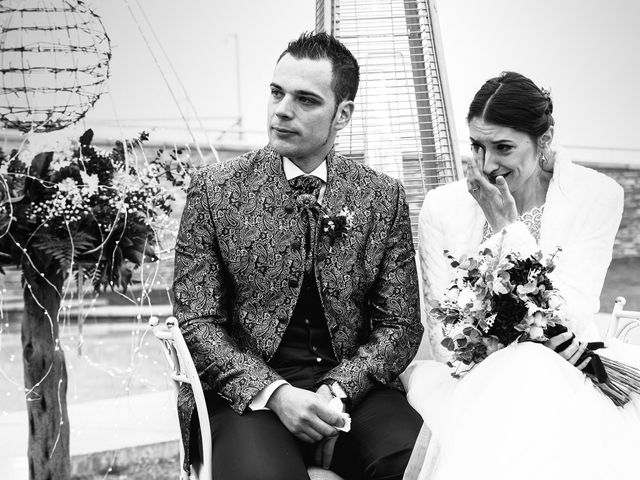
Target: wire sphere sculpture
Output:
[{"x": 54, "y": 60}]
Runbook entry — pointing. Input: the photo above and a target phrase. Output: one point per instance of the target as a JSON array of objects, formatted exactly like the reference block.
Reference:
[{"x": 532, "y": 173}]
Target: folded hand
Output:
[{"x": 305, "y": 414}]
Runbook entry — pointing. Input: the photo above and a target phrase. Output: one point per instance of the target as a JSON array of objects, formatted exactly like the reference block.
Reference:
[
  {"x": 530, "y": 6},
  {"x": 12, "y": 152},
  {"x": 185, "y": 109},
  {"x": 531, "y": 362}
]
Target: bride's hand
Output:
[
  {"x": 496, "y": 201},
  {"x": 572, "y": 352}
]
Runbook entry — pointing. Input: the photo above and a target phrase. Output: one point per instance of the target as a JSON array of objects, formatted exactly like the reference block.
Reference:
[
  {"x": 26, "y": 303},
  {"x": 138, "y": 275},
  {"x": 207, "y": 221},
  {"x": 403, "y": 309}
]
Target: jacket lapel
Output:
[
  {"x": 278, "y": 202},
  {"x": 335, "y": 194},
  {"x": 274, "y": 173}
]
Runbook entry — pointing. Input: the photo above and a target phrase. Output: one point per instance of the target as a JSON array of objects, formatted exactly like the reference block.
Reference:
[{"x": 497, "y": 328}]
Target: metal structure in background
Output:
[
  {"x": 54, "y": 61},
  {"x": 403, "y": 124}
]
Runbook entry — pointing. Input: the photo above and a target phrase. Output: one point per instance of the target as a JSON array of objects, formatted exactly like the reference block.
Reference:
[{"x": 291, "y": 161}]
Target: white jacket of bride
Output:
[{"x": 524, "y": 412}]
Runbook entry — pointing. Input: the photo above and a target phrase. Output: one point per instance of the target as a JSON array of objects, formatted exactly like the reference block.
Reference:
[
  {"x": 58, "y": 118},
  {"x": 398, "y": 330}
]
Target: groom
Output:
[{"x": 296, "y": 290}]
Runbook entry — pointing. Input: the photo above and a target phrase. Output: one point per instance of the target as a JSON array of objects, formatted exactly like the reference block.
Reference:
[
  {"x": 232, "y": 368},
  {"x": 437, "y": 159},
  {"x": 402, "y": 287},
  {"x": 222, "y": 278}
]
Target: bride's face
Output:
[{"x": 504, "y": 151}]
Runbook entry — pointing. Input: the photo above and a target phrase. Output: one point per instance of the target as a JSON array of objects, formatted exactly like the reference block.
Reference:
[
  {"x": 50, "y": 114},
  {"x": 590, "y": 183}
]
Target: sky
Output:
[{"x": 584, "y": 51}]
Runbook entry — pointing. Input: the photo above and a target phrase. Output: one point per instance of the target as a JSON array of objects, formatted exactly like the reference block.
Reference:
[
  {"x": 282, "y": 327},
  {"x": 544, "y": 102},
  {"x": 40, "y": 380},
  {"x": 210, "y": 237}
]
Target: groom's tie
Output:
[
  {"x": 307, "y": 188},
  {"x": 306, "y": 184}
]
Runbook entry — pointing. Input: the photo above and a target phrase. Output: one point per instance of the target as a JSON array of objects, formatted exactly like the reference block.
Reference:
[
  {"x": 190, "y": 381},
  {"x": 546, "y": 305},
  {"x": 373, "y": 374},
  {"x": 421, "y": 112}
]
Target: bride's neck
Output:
[{"x": 533, "y": 192}]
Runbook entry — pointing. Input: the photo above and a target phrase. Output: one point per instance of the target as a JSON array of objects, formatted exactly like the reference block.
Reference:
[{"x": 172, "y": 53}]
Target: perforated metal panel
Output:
[{"x": 402, "y": 124}]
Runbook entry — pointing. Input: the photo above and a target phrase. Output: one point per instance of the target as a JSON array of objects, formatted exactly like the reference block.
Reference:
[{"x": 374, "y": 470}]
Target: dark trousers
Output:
[{"x": 257, "y": 446}]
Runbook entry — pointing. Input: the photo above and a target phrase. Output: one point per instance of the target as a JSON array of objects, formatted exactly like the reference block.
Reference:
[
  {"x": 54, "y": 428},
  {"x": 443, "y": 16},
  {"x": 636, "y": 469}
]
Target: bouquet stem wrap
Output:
[{"x": 615, "y": 379}]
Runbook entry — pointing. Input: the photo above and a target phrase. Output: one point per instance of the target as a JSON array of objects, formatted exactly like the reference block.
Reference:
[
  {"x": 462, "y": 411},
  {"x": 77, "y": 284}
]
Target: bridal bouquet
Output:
[{"x": 493, "y": 302}]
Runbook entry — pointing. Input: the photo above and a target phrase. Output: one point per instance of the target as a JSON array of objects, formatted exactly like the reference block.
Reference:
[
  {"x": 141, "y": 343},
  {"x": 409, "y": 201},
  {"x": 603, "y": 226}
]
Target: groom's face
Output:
[{"x": 302, "y": 114}]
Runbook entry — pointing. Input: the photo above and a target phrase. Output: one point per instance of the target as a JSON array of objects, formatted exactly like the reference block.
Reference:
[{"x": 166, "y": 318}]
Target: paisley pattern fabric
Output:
[{"x": 239, "y": 266}]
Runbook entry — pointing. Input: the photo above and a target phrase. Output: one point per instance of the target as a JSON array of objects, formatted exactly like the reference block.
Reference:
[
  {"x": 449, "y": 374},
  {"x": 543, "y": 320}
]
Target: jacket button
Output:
[{"x": 293, "y": 283}]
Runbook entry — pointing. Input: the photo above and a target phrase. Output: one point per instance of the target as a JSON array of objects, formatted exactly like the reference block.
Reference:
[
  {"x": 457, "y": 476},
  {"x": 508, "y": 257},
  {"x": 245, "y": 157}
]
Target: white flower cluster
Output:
[{"x": 71, "y": 208}]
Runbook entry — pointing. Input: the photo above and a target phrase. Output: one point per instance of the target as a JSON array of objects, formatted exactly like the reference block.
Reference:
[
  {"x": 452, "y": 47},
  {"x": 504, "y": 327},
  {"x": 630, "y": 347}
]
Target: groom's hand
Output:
[{"x": 305, "y": 414}]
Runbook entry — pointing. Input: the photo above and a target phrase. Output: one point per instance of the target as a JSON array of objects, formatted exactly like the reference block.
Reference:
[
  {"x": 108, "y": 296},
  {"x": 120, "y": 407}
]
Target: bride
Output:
[{"x": 526, "y": 412}]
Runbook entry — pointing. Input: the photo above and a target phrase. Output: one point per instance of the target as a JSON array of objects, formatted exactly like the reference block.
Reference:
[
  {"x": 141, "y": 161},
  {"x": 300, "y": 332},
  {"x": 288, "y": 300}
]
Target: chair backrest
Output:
[
  {"x": 622, "y": 321},
  {"x": 182, "y": 370}
]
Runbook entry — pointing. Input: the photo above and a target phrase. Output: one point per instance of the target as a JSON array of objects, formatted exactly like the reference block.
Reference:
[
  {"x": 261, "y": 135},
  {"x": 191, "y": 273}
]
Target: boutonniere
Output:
[{"x": 336, "y": 226}]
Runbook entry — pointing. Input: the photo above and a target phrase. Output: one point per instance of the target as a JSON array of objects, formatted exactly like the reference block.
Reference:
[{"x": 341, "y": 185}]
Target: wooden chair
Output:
[
  {"x": 182, "y": 370},
  {"x": 622, "y": 321}
]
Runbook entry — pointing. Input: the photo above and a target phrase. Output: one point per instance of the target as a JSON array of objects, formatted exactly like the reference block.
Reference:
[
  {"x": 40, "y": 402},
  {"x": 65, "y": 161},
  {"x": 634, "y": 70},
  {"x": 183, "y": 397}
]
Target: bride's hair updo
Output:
[{"x": 513, "y": 100}]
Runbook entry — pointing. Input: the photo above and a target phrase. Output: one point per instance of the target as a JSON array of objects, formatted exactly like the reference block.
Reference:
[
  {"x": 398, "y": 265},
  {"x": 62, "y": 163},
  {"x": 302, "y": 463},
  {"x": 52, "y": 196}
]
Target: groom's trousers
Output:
[{"x": 256, "y": 445}]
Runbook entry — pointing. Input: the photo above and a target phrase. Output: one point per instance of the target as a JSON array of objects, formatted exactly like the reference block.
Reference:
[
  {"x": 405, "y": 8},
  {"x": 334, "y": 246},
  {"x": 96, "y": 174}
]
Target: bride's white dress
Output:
[{"x": 525, "y": 412}]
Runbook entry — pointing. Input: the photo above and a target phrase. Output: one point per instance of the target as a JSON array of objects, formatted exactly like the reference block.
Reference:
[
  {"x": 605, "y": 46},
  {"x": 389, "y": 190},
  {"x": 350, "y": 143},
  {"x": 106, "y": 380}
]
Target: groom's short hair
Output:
[{"x": 344, "y": 67}]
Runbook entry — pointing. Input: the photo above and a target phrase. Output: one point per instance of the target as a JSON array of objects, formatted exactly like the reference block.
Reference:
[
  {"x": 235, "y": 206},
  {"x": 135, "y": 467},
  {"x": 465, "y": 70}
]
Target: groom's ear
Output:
[{"x": 343, "y": 114}]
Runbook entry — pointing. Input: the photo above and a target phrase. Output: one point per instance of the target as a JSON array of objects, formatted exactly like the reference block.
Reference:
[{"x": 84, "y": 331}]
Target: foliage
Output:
[{"x": 94, "y": 211}]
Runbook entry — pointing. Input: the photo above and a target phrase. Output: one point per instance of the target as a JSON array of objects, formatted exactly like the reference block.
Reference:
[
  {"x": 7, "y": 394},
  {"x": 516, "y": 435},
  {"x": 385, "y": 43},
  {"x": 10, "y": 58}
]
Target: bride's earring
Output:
[{"x": 543, "y": 160}]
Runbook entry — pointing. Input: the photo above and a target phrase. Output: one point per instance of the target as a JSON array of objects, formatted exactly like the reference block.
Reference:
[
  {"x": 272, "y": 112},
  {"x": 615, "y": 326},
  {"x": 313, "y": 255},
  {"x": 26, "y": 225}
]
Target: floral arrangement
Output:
[
  {"x": 493, "y": 302},
  {"x": 94, "y": 211}
]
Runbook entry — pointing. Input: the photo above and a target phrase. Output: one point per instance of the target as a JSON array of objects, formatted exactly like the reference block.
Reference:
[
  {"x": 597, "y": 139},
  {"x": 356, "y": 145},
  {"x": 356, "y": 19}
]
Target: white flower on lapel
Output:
[{"x": 336, "y": 226}]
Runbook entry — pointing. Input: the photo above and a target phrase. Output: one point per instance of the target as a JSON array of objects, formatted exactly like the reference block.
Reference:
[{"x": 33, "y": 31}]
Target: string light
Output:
[
  {"x": 68, "y": 206},
  {"x": 148, "y": 275}
]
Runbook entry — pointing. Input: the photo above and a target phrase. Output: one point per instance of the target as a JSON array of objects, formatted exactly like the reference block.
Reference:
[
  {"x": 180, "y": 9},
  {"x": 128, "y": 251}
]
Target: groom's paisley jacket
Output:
[{"x": 239, "y": 267}]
